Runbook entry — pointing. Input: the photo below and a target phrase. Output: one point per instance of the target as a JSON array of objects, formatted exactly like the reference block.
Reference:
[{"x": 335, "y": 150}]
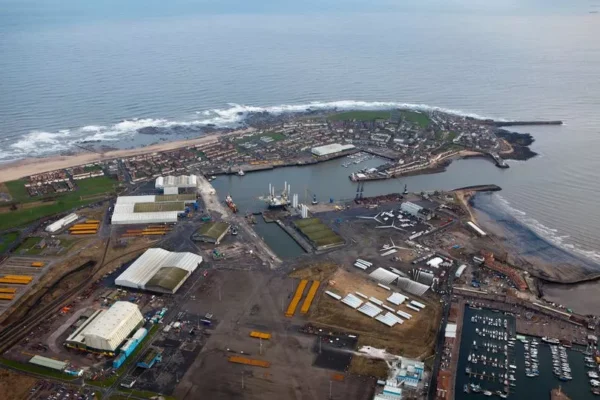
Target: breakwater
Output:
[{"x": 525, "y": 123}]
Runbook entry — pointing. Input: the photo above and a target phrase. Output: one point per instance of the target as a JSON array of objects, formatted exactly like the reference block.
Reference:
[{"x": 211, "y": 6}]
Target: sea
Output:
[{"x": 76, "y": 73}]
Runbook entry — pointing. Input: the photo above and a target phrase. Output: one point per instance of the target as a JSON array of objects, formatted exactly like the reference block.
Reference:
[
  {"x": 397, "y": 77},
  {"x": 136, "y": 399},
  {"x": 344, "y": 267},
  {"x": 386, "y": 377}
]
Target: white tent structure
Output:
[
  {"x": 183, "y": 181},
  {"x": 159, "y": 270},
  {"x": 109, "y": 328}
]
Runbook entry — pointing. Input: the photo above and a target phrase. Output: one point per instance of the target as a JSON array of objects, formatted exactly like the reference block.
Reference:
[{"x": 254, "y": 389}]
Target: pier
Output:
[
  {"x": 525, "y": 123},
  {"x": 296, "y": 236}
]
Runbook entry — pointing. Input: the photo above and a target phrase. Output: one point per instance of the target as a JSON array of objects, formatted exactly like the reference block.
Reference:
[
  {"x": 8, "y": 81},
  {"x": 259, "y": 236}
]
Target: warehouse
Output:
[
  {"x": 211, "y": 232},
  {"x": 329, "y": 149},
  {"x": 183, "y": 181},
  {"x": 107, "y": 329},
  {"x": 150, "y": 209},
  {"x": 416, "y": 211},
  {"x": 159, "y": 270},
  {"x": 49, "y": 363}
]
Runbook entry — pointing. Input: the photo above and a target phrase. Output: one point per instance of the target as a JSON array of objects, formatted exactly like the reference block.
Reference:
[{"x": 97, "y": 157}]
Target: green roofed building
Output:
[
  {"x": 211, "y": 232},
  {"x": 159, "y": 270},
  {"x": 320, "y": 235}
]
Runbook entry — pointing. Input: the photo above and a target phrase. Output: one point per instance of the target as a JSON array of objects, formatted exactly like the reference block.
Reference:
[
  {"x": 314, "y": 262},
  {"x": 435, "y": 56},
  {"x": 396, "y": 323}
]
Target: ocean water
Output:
[{"x": 72, "y": 72}]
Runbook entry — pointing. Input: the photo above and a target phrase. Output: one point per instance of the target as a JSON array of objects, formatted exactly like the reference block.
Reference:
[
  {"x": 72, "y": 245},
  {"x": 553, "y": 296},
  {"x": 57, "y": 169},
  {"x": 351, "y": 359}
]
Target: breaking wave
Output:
[
  {"x": 550, "y": 235},
  {"x": 39, "y": 143}
]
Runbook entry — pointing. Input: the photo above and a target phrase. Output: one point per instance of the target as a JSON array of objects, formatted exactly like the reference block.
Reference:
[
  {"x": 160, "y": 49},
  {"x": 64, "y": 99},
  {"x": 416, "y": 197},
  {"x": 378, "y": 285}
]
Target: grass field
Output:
[
  {"x": 64, "y": 201},
  {"x": 360, "y": 116},
  {"x": 6, "y": 240},
  {"x": 416, "y": 118},
  {"x": 28, "y": 246},
  {"x": 17, "y": 191}
]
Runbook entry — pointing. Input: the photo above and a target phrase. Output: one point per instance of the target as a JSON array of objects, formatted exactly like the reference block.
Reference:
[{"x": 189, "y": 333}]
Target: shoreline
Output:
[{"x": 31, "y": 166}]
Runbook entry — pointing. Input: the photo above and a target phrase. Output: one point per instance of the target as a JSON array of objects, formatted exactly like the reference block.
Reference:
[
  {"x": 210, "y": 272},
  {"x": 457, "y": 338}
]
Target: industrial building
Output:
[
  {"x": 422, "y": 213},
  {"x": 211, "y": 232},
  {"x": 183, "y": 181},
  {"x": 62, "y": 223},
  {"x": 106, "y": 330},
  {"x": 329, "y": 149},
  {"x": 49, "y": 363},
  {"x": 159, "y": 270},
  {"x": 150, "y": 209}
]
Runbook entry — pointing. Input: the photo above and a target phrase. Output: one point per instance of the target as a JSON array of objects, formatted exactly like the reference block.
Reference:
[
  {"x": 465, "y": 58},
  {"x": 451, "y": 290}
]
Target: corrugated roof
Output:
[
  {"x": 370, "y": 309},
  {"x": 168, "y": 278},
  {"x": 48, "y": 363},
  {"x": 111, "y": 328},
  {"x": 352, "y": 301},
  {"x": 397, "y": 298},
  {"x": 389, "y": 319},
  {"x": 149, "y": 264},
  {"x": 384, "y": 276}
]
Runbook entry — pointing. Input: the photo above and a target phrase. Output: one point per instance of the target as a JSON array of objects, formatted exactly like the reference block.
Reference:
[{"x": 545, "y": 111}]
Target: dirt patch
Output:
[
  {"x": 368, "y": 367},
  {"x": 316, "y": 272},
  {"x": 15, "y": 386},
  {"x": 414, "y": 338},
  {"x": 27, "y": 206}
]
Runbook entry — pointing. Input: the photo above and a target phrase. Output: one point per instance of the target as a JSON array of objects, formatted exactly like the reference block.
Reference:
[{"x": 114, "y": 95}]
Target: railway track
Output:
[{"x": 15, "y": 332}]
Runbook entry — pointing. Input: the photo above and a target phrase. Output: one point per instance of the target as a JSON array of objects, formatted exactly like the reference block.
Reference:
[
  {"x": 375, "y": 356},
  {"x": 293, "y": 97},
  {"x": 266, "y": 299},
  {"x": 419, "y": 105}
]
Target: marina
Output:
[{"x": 495, "y": 361}]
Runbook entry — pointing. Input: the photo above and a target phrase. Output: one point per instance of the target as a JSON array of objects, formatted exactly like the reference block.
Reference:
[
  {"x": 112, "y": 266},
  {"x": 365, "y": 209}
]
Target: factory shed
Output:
[
  {"x": 48, "y": 363},
  {"x": 331, "y": 149},
  {"x": 211, "y": 232},
  {"x": 183, "y": 181},
  {"x": 159, "y": 270},
  {"x": 107, "y": 329},
  {"x": 61, "y": 223},
  {"x": 435, "y": 262}
]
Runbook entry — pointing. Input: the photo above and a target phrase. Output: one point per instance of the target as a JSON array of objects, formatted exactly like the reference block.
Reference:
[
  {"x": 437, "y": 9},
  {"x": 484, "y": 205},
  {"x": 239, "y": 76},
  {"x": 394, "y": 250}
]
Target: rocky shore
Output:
[{"x": 519, "y": 142}]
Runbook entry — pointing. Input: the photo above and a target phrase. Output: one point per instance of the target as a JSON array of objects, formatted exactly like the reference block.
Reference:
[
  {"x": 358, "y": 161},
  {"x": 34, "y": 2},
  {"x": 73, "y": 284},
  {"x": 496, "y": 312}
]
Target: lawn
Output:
[
  {"x": 28, "y": 246},
  {"x": 36, "y": 369},
  {"x": 6, "y": 240},
  {"x": 360, "y": 115},
  {"x": 17, "y": 191},
  {"x": 416, "y": 118},
  {"x": 64, "y": 201}
]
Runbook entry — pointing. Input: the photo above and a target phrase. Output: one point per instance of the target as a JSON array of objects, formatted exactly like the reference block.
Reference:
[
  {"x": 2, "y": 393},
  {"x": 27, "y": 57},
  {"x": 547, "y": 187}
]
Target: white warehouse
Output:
[
  {"x": 183, "y": 181},
  {"x": 159, "y": 270},
  {"x": 331, "y": 149},
  {"x": 105, "y": 330},
  {"x": 150, "y": 209}
]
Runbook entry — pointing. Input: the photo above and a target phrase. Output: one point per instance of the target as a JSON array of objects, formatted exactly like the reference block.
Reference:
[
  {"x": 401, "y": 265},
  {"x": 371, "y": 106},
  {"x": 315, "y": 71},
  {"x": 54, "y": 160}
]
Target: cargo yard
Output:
[{"x": 150, "y": 278}]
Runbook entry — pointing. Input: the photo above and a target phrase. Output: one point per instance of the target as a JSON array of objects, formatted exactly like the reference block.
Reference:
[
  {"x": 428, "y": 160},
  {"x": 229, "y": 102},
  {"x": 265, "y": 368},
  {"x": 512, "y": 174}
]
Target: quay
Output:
[
  {"x": 525, "y": 123},
  {"x": 296, "y": 236}
]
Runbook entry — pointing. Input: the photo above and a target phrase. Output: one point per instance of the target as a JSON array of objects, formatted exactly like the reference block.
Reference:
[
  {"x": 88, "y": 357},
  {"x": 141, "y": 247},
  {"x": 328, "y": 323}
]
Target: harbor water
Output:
[{"x": 525, "y": 387}]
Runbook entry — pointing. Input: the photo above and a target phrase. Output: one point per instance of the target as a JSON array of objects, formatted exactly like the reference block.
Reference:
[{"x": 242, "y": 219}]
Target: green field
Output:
[
  {"x": 318, "y": 233},
  {"x": 63, "y": 201},
  {"x": 360, "y": 115},
  {"x": 6, "y": 240},
  {"x": 28, "y": 246},
  {"x": 18, "y": 192},
  {"x": 416, "y": 118}
]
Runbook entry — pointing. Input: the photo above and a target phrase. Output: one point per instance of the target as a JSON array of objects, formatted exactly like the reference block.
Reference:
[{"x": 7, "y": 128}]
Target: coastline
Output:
[{"x": 31, "y": 166}]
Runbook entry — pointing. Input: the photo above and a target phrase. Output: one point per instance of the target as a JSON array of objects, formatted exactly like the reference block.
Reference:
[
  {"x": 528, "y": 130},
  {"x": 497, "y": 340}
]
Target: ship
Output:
[
  {"x": 231, "y": 204},
  {"x": 241, "y": 172},
  {"x": 550, "y": 340},
  {"x": 566, "y": 343},
  {"x": 405, "y": 190},
  {"x": 314, "y": 200}
]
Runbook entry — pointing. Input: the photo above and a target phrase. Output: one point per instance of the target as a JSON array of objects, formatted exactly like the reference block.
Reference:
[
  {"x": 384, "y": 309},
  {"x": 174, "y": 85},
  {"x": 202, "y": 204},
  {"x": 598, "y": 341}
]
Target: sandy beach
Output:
[{"x": 31, "y": 166}]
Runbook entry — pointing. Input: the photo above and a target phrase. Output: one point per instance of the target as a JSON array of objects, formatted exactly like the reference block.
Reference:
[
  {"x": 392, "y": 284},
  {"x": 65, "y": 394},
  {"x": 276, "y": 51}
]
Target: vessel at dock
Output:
[
  {"x": 231, "y": 204},
  {"x": 281, "y": 201}
]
